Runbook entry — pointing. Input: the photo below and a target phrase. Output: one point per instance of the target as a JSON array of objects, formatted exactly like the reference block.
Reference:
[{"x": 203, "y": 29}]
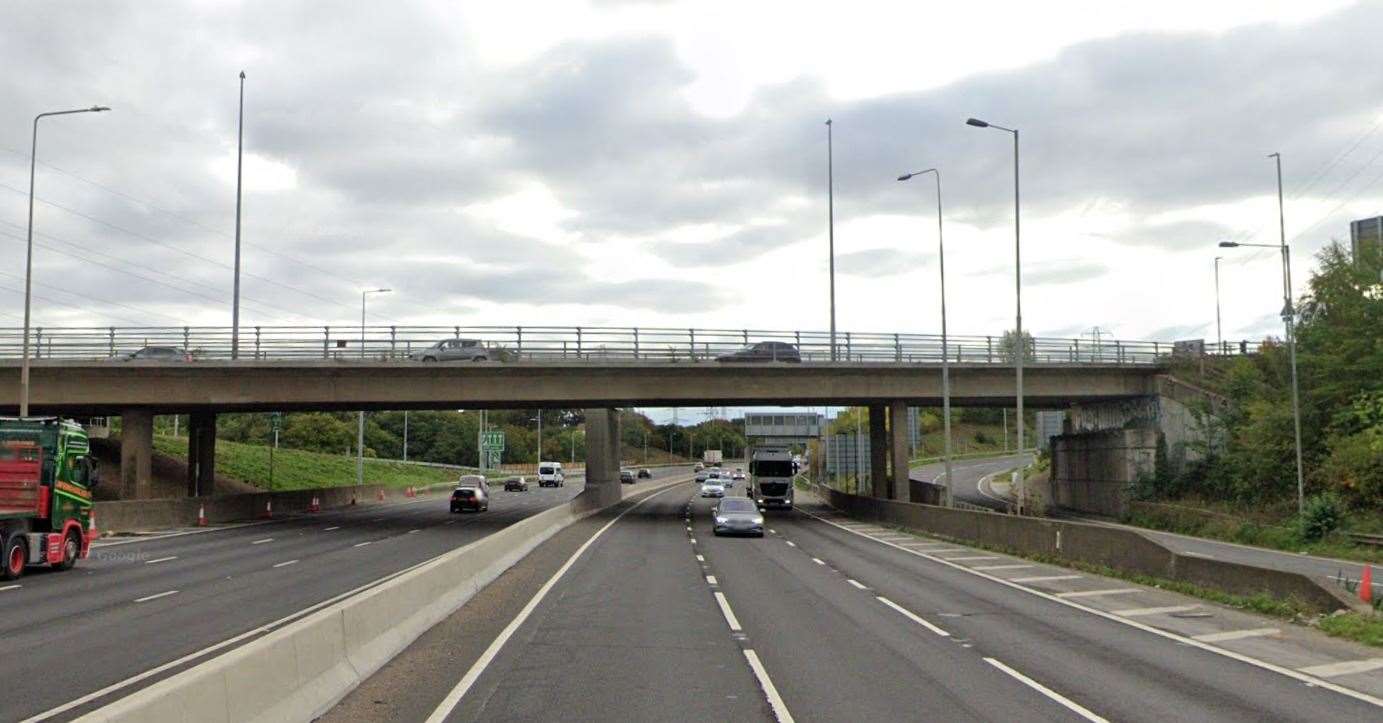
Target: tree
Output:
[{"x": 1008, "y": 347}]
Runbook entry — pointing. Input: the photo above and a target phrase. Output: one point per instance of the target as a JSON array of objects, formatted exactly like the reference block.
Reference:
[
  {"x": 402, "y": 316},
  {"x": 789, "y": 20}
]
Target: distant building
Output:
[{"x": 1366, "y": 237}]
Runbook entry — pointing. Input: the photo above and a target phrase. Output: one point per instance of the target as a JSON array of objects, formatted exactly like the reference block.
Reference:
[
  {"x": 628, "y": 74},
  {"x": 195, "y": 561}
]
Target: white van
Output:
[{"x": 550, "y": 474}]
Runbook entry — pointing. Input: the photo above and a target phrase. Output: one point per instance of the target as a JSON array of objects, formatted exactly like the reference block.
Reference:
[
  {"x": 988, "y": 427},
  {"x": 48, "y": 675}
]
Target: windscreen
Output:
[
  {"x": 738, "y": 505},
  {"x": 773, "y": 468},
  {"x": 546, "y": 470},
  {"x": 774, "y": 489}
]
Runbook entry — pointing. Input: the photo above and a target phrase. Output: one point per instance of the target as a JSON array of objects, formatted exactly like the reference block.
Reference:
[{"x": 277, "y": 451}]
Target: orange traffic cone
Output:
[
  {"x": 381, "y": 495},
  {"x": 1366, "y": 584},
  {"x": 411, "y": 493},
  {"x": 91, "y": 532},
  {"x": 268, "y": 509},
  {"x": 315, "y": 506},
  {"x": 201, "y": 516}
]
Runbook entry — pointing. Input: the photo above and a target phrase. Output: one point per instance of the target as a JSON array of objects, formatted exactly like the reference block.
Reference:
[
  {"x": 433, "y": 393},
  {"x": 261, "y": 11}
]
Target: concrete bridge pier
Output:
[
  {"x": 201, "y": 454},
  {"x": 878, "y": 453},
  {"x": 602, "y": 456},
  {"x": 898, "y": 451},
  {"x": 136, "y": 454}
]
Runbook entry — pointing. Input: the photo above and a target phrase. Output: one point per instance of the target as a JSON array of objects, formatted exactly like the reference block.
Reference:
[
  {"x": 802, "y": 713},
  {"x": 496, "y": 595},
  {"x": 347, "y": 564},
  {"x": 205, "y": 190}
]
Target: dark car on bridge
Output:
[
  {"x": 157, "y": 353},
  {"x": 764, "y": 351}
]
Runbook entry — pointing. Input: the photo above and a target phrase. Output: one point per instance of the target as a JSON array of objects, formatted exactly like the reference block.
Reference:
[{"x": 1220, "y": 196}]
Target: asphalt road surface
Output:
[
  {"x": 134, "y": 607},
  {"x": 968, "y": 473},
  {"x": 655, "y": 621}
]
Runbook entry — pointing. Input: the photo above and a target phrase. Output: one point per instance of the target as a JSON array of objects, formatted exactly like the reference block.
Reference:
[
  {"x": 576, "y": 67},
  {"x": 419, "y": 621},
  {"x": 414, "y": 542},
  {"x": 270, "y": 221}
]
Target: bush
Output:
[
  {"x": 1321, "y": 516},
  {"x": 1355, "y": 468}
]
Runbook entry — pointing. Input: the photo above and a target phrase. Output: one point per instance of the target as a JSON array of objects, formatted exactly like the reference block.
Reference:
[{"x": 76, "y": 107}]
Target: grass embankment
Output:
[
  {"x": 1272, "y": 526},
  {"x": 297, "y": 469},
  {"x": 966, "y": 438}
]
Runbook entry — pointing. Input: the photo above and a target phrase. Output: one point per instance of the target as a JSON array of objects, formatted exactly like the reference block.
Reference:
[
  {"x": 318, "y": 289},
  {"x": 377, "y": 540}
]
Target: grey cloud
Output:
[
  {"x": 879, "y": 262},
  {"x": 1064, "y": 272}
]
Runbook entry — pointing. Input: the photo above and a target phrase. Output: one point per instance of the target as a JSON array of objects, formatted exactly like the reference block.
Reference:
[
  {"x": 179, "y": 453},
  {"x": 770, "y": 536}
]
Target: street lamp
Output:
[
  {"x": 831, "y": 230},
  {"x": 1219, "y": 335},
  {"x": 945, "y": 351},
  {"x": 239, "y": 159},
  {"x": 1288, "y": 321},
  {"x": 1017, "y": 269},
  {"x": 29, "y": 254},
  {"x": 360, "y": 420}
]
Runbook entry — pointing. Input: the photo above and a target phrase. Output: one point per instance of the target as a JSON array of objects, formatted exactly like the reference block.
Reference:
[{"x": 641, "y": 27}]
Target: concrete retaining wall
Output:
[
  {"x": 1121, "y": 549},
  {"x": 1095, "y": 471},
  {"x": 299, "y": 672}
]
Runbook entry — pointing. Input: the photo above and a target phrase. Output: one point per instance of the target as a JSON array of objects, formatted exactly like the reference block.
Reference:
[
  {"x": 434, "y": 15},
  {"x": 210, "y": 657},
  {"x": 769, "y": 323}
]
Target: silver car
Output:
[
  {"x": 712, "y": 488},
  {"x": 459, "y": 350},
  {"x": 738, "y": 516}
]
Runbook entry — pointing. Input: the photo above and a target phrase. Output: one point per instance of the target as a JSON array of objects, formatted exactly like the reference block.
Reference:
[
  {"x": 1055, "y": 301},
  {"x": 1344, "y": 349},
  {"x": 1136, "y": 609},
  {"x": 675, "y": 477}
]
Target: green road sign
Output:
[
  {"x": 493, "y": 441},
  {"x": 275, "y": 421}
]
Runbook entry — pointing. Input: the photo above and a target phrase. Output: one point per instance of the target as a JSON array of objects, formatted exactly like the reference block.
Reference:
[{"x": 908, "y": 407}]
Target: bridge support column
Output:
[
  {"x": 602, "y": 456},
  {"x": 201, "y": 454},
  {"x": 898, "y": 435},
  {"x": 136, "y": 454},
  {"x": 878, "y": 453}
]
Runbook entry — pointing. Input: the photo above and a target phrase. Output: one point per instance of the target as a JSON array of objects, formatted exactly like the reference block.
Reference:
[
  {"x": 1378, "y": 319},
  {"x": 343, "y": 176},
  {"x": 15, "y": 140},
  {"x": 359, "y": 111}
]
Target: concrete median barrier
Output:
[
  {"x": 1117, "y": 548},
  {"x": 298, "y": 672}
]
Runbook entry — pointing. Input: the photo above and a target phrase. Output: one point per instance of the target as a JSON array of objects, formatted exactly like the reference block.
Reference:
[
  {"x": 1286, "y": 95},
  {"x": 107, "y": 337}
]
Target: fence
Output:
[{"x": 400, "y": 343}]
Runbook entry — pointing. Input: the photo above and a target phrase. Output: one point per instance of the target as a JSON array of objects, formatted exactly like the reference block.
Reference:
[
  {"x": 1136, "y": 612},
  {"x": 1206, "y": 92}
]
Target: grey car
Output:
[
  {"x": 157, "y": 353},
  {"x": 764, "y": 351},
  {"x": 738, "y": 516},
  {"x": 460, "y": 350}
]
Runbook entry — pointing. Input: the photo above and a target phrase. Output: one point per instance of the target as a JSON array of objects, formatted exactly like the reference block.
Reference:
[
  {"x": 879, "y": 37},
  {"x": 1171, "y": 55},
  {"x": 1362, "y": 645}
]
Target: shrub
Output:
[{"x": 1321, "y": 516}]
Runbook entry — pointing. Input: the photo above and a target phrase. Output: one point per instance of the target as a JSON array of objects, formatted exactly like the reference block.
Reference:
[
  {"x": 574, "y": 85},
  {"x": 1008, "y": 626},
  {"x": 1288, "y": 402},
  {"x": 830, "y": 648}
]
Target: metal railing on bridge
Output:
[{"x": 593, "y": 343}]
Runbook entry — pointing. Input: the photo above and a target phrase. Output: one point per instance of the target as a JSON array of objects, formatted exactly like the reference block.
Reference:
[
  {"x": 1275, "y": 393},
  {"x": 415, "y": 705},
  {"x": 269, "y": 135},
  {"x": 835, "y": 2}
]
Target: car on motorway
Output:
[
  {"x": 737, "y": 475},
  {"x": 458, "y": 349},
  {"x": 472, "y": 493},
  {"x": 645, "y": 473},
  {"x": 715, "y": 475},
  {"x": 516, "y": 484},
  {"x": 550, "y": 474},
  {"x": 738, "y": 516},
  {"x": 700, "y": 466},
  {"x": 156, "y": 353},
  {"x": 764, "y": 351},
  {"x": 626, "y": 476},
  {"x": 702, "y": 475},
  {"x": 712, "y": 488}
]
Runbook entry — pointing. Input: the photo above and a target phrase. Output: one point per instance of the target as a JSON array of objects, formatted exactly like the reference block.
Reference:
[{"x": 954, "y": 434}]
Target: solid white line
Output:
[
  {"x": 155, "y": 597},
  {"x": 161, "y": 559},
  {"x": 1003, "y": 567},
  {"x": 286, "y": 564},
  {"x": 449, "y": 703},
  {"x": 856, "y": 583},
  {"x": 818, "y": 561},
  {"x": 261, "y": 542},
  {"x": 362, "y": 544},
  {"x": 711, "y": 580},
  {"x": 910, "y": 615},
  {"x": 1166, "y": 634},
  {"x": 329, "y": 529},
  {"x": 729, "y": 614},
  {"x": 977, "y": 557},
  {"x": 1330, "y": 670},
  {"x": 1093, "y": 593},
  {"x": 775, "y": 701},
  {"x": 1071, "y": 705},
  {"x": 10, "y": 587},
  {"x": 1144, "y": 612},
  {"x": 1046, "y": 578},
  {"x": 1236, "y": 635},
  {"x": 790, "y": 543}
]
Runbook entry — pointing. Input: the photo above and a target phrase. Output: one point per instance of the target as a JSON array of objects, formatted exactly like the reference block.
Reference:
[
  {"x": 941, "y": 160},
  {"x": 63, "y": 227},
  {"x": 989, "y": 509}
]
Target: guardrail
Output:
[{"x": 399, "y": 343}]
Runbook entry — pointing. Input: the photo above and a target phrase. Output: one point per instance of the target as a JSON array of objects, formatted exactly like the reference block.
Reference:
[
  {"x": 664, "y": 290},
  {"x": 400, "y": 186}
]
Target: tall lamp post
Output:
[
  {"x": 1288, "y": 321},
  {"x": 1219, "y": 334},
  {"x": 239, "y": 158},
  {"x": 1021, "y": 343},
  {"x": 360, "y": 419},
  {"x": 831, "y": 229},
  {"x": 29, "y": 254},
  {"x": 945, "y": 350}
]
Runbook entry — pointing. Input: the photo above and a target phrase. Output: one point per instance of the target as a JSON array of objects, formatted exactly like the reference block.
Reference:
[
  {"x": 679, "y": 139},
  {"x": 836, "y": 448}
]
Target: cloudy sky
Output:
[{"x": 664, "y": 163}]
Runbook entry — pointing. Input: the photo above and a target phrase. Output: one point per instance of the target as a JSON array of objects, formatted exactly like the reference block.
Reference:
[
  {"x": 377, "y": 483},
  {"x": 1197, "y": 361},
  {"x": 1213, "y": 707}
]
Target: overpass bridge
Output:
[{"x": 80, "y": 372}]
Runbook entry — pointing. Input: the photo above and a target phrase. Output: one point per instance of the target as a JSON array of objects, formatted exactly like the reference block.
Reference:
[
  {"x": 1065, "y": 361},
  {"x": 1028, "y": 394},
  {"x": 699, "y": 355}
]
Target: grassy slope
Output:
[{"x": 296, "y": 469}]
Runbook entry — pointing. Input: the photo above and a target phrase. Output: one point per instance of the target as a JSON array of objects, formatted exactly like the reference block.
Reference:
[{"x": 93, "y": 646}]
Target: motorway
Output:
[
  {"x": 640, "y": 613},
  {"x": 968, "y": 473},
  {"x": 137, "y": 611}
]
